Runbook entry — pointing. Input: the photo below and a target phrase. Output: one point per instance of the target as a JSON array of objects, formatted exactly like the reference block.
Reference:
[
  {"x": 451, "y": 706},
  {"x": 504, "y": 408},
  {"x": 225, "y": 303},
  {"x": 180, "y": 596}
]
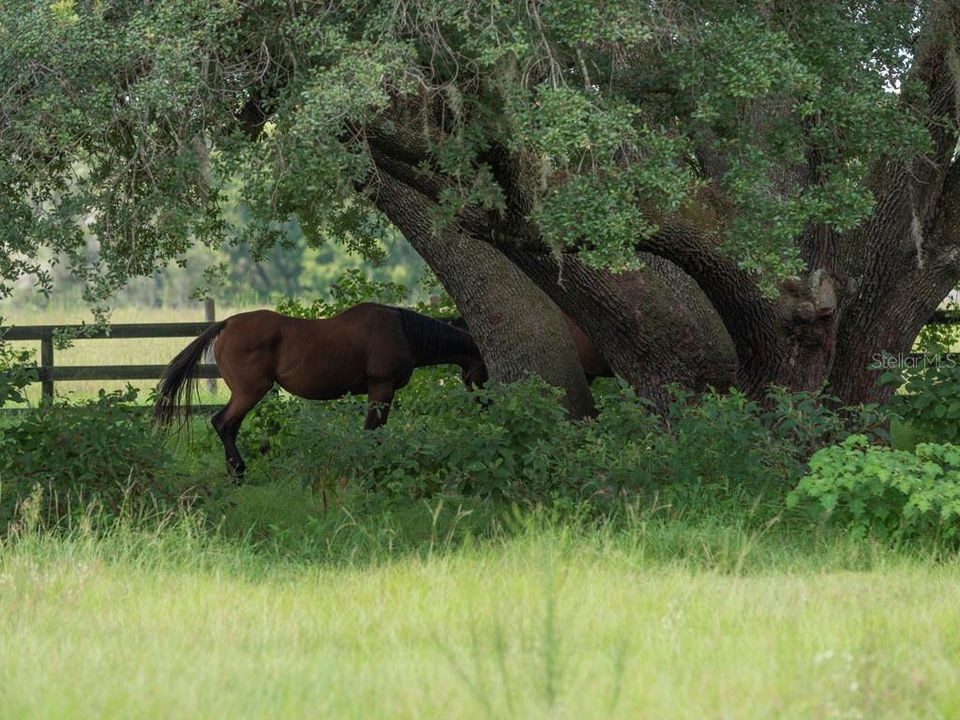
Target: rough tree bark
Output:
[
  {"x": 517, "y": 327},
  {"x": 899, "y": 266},
  {"x": 647, "y": 333}
]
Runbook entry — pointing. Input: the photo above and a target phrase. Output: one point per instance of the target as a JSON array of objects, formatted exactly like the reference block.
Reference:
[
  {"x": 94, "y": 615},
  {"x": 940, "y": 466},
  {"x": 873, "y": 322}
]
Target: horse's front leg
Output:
[{"x": 380, "y": 396}]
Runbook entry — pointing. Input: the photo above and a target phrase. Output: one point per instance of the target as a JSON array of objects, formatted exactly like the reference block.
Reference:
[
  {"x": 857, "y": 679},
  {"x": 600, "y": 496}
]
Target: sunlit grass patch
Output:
[{"x": 545, "y": 620}]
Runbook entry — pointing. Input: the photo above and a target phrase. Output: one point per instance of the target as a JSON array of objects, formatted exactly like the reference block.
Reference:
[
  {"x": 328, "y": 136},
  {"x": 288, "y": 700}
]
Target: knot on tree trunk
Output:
[{"x": 809, "y": 308}]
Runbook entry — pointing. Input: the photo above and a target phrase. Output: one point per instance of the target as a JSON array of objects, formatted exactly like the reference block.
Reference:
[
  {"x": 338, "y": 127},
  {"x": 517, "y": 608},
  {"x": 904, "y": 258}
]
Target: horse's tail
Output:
[{"x": 179, "y": 382}]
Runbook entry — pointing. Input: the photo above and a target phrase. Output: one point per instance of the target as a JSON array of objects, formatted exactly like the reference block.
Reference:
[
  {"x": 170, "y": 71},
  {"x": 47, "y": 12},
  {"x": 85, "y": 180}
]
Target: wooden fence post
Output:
[
  {"x": 46, "y": 361},
  {"x": 210, "y": 315}
]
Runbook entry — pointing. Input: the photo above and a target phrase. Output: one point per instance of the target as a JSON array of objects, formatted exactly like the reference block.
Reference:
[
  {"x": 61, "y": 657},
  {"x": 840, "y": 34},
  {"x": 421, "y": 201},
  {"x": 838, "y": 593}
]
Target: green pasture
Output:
[
  {"x": 305, "y": 593},
  {"x": 359, "y": 617}
]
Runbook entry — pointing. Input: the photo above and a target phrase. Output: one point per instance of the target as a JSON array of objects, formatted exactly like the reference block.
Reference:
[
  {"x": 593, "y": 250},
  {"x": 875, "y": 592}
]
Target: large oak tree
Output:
[{"x": 777, "y": 178}]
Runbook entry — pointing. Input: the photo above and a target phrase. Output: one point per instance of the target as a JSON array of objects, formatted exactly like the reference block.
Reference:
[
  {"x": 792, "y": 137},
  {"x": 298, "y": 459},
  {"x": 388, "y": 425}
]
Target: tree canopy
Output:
[{"x": 755, "y": 148}]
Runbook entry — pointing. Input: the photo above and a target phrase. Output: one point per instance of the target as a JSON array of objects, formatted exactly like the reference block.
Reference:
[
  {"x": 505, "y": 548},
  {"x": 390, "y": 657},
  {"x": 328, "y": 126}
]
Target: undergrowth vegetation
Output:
[
  {"x": 887, "y": 492},
  {"x": 513, "y": 444},
  {"x": 795, "y": 457},
  {"x": 66, "y": 457},
  {"x": 489, "y": 451}
]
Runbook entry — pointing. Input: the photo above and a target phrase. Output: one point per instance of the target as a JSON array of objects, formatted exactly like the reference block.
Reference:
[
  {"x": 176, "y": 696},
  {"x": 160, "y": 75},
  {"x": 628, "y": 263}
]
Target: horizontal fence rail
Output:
[
  {"x": 116, "y": 372},
  {"x": 48, "y": 373},
  {"x": 105, "y": 332}
]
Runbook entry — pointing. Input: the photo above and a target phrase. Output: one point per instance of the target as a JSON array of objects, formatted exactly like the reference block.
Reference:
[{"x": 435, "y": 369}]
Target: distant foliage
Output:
[
  {"x": 101, "y": 451},
  {"x": 889, "y": 493}
]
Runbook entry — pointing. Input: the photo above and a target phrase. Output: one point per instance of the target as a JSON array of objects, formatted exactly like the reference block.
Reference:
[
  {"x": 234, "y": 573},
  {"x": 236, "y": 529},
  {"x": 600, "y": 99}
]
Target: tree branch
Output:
[
  {"x": 937, "y": 69},
  {"x": 750, "y": 318}
]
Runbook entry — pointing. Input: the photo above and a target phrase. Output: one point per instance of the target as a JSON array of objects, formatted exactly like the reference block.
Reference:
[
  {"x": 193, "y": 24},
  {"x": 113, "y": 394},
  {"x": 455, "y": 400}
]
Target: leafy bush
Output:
[
  {"x": 16, "y": 372},
  {"x": 928, "y": 397},
  {"x": 102, "y": 450},
  {"x": 876, "y": 489},
  {"x": 514, "y": 443}
]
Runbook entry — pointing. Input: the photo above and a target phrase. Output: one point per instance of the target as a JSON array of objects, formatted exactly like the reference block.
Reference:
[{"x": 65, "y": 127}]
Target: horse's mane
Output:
[
  {"x": 457, "y": 322},
  {"x": 431, "y": 338}
]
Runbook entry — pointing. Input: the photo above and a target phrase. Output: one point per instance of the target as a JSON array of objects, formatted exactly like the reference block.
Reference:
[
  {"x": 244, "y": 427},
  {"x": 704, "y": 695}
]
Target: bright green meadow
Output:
[{"x": 662, "y": 619}]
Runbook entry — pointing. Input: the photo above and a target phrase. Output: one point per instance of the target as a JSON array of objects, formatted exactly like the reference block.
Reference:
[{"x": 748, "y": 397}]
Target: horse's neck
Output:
[
  {"x": 446, "y": 354},
  {"x": 436, "y": 343},
  {"x": 464, "y": 360}
]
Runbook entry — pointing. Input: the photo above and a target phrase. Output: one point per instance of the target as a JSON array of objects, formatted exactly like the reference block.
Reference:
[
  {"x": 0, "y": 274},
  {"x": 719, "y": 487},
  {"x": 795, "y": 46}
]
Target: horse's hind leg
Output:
[
  {"x": 380, "y": 397},
  {"x": 227, "y": 424}
]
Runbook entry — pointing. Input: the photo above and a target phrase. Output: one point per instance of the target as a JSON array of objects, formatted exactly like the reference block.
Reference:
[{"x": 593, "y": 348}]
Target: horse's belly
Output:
[
  {"x": 321, "y": 388},
  {"x": 308, "y": 368}
]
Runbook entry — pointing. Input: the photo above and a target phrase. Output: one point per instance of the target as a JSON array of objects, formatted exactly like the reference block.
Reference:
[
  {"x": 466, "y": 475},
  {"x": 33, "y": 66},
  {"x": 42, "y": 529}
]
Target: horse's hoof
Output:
[{"x": 235, "y": 476}]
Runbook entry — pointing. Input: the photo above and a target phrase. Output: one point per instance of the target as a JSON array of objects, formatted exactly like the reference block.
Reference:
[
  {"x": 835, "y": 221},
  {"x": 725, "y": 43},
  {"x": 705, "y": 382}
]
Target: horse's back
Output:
[
  {"x": 319, "y": 359},
  {"x": 325, "y": 359},
  {"x": 251, "y": 328}
]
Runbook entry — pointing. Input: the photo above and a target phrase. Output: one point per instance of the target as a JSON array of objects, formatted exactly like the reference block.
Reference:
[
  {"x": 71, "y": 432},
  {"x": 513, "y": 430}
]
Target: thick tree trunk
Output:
[
  {"x": 786, "y": 341},
  {"x": 902, "y": 263},
  {"x": 863, "y": 292},
  {"x": 647, "y": 333},
  {"x": 519, "y": 330},
  {"x": 907, "y": 267}
]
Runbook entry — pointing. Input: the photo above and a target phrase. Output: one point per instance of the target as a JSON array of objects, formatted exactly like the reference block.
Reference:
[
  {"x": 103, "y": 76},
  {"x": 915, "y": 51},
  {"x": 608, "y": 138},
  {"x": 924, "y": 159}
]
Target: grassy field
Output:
[
  {"x": 275, "y": 604},
  {"x": 658, "y": 620}
]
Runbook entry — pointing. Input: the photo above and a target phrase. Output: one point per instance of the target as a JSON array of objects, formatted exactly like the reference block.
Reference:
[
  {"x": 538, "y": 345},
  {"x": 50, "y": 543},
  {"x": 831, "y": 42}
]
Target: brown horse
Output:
[
  {"x": 369, "y": 348},
  {"x": 594, "y": 365}
]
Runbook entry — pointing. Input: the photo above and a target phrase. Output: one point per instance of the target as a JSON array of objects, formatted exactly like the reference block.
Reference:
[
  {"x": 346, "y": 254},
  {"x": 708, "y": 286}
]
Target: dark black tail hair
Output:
[{"x": 179, "y": 383}]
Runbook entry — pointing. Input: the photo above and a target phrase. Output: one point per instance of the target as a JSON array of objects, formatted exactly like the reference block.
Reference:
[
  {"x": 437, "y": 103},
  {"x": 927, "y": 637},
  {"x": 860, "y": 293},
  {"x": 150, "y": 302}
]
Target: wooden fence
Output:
[{"x": 49, "y": 373}]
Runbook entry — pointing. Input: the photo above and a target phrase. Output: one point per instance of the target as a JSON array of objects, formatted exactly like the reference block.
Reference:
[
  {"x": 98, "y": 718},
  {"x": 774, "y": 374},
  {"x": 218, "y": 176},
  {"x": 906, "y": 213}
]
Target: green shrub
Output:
[
  {"x": 16, "y": 372},
  {"x": 268, "y": 424},
  {"x": 514, "y": 443},
  {"x": 439, "y": 437},
  {"x": 886, "y": 492},
  {"x": 928, "y": 398},
  {"x": 100, "y": 451}
]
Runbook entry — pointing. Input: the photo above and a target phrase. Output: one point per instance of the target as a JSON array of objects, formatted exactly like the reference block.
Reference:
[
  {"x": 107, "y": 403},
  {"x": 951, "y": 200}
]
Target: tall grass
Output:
[{"x": 649, "y": 616}]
